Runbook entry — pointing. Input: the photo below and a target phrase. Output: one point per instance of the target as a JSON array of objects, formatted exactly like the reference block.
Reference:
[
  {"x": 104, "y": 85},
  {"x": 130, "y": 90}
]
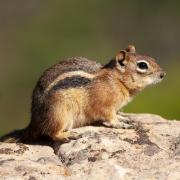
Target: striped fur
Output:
[{"x": 69, "y": 75}]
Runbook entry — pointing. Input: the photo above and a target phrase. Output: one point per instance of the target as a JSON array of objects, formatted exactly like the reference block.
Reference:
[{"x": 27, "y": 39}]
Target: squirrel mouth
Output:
[{"x": 156, "y": 81}]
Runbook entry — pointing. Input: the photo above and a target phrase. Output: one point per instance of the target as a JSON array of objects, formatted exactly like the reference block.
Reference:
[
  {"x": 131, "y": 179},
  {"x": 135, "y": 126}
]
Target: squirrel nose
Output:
[{"x": 162, "y": 74}]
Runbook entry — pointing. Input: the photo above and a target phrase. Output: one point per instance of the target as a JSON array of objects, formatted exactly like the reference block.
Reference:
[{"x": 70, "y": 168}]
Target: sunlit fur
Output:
[{"x": 109, "y": 88}]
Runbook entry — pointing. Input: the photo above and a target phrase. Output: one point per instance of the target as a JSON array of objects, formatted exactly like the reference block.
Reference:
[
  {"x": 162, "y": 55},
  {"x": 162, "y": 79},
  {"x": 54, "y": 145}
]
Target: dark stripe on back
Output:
[{"x": 71, "y": 82}]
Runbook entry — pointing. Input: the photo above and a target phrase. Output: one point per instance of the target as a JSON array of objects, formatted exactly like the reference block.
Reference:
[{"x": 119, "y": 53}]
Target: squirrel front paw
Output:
[
  {"x": 124, "y": 117},
  {"x": 117, "y": 125}
]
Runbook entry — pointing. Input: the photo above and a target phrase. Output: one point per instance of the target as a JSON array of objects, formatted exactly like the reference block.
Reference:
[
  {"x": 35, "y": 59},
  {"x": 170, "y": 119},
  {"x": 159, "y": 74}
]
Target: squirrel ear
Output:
[
  {"x": 121, "y": 55},
  {"x": 121, "y": 59},
  {"x": 131, "y": 49}
]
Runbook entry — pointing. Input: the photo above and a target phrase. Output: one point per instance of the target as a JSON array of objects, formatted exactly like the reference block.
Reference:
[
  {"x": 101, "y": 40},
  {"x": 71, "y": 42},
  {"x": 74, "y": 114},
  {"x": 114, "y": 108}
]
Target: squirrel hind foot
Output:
[{"x": 65, "y": 137}]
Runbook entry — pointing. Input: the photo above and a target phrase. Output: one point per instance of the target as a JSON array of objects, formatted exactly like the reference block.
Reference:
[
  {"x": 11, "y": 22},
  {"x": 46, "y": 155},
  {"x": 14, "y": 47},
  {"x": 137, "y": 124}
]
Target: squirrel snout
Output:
[{"x": 162, "y": 74}]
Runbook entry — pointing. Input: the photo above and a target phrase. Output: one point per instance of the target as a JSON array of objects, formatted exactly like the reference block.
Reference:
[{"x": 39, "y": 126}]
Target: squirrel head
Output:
[{"x": 136, "y": 71}]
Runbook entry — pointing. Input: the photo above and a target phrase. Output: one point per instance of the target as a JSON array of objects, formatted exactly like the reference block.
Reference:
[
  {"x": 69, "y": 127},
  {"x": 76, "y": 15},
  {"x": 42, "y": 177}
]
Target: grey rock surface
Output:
[{"x": 150, "y": 150}]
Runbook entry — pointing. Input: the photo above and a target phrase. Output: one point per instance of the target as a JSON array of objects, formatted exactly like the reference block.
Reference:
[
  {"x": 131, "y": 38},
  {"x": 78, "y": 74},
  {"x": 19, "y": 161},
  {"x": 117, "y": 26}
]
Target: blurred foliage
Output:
[{"x": 36, "y": 34}]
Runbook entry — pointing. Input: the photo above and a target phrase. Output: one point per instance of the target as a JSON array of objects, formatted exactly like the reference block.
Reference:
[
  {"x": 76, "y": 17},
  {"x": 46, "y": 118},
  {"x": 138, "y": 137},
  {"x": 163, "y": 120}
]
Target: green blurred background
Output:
[{"x": 36, "y": 34}]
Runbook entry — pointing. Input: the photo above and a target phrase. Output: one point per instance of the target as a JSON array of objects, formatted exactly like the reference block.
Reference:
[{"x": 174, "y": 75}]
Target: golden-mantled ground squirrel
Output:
[{"x": 78, "y": 92}]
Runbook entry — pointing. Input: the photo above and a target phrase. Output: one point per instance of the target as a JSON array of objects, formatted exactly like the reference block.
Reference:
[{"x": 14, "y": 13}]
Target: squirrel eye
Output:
[{"x": 142, "y": 65}]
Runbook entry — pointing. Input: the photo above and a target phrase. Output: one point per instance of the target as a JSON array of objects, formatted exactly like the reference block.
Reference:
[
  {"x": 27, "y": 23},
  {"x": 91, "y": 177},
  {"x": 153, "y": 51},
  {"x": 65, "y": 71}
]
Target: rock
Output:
[
  {"x": 150, "y": 150},
  {"x": 19, "y": 161}
]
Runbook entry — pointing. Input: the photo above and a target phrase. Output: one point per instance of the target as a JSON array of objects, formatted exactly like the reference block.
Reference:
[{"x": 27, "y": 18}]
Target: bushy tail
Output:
[
  {"x": 19, "y": 136},
  {"x": 13, "y": 137}
]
